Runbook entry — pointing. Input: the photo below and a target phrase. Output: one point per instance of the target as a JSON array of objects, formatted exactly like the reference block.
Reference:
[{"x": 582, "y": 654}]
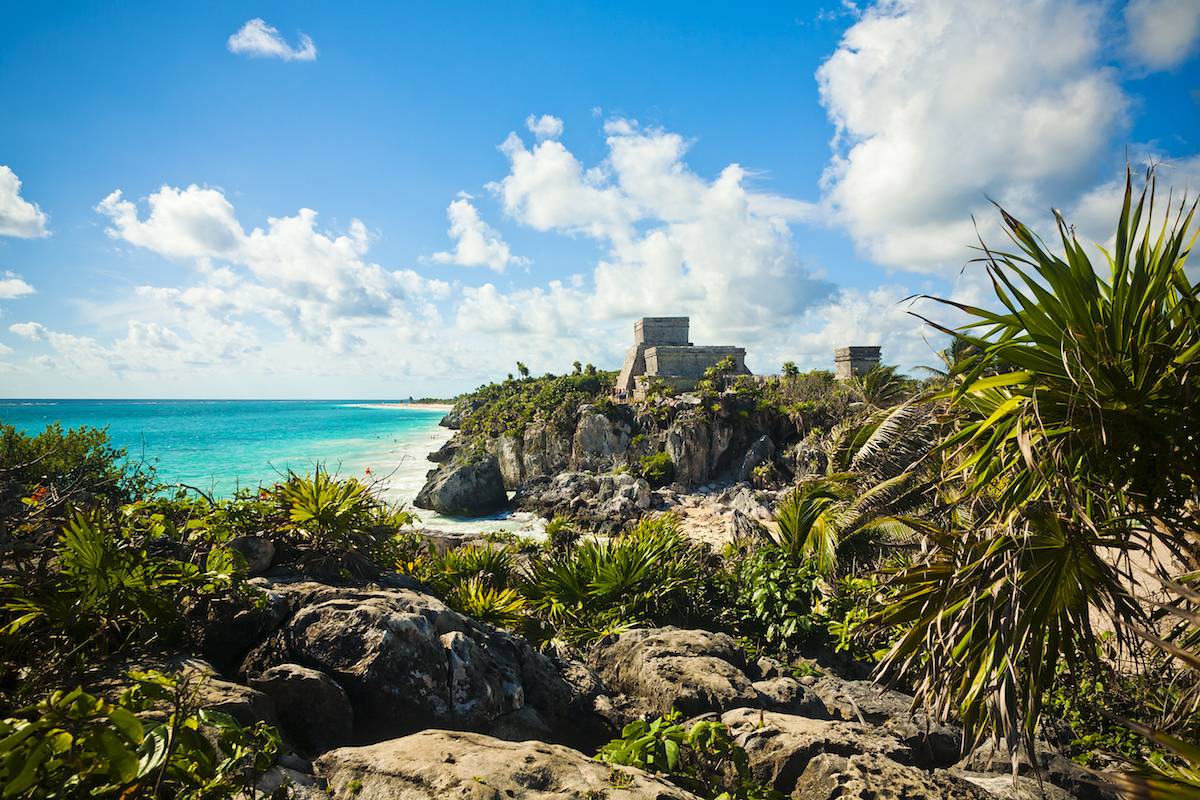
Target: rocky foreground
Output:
[{"x": 383, "y": 692}]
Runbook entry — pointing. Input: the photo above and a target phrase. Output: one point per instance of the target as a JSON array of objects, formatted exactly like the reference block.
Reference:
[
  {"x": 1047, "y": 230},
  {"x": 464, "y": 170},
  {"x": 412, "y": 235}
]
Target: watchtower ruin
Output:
[
  {"x": 851, "y": 362},
  {"x": 661, "y": 351}
]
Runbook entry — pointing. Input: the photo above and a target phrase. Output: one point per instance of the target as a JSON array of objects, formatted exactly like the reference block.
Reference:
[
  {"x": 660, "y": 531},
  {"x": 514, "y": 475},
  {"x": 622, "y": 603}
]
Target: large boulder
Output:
[
  {"x": 435, "y": 765},
  {"x": 933, "y": 744},
  {"x": 780, "y": 746},
  {"x": 407, "y": 662},
  {"x": 1052, "y": 767},
  {"x": 314, "y": 710},
  {"x": 692, "y": 671},
  {"x": 470, "y": 488},
  {"x": 759, "y": 453},
  {"x": 599, "y": 443}
]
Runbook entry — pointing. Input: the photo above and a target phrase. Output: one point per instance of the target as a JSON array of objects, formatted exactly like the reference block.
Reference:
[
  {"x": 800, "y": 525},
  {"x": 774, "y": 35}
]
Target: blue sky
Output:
[{"x": 414, "y": 197}]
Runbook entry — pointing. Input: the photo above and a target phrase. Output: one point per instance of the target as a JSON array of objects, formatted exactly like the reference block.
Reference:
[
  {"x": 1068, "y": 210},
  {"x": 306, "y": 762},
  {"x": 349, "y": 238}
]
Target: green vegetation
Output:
[
  {"x": 702, "y": 758},
  {"x": 72, "y": 744},
  {"x": 658, "y": 469},
  {"x": 511, "y": 405}
]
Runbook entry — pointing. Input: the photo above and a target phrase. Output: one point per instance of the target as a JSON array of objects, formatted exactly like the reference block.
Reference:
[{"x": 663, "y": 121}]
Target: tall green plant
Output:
[{"x": 1078, "y": 445}]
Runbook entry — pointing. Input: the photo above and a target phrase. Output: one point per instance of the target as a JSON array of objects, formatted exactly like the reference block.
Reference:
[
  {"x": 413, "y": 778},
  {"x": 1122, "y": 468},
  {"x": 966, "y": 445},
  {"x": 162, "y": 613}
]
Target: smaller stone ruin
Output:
[
  {"x": 852, "y": 362},
  {"x": 662, "y": 352}
]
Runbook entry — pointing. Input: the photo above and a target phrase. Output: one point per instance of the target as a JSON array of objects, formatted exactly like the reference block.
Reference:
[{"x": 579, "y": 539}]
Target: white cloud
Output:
[
  {"x": 477, "y": 243},
  {"x": 11, "y": 286},
  {"x": 1162, "y": 33},
  {"x": 18, "y": 217},
  {"x": 545, "y": 126},
  {"x": 315, "y": 285},
  {"x": 257, "y": 38},
  {"x": 674, "y": 241},
  {"x": 939, "y": 105},
  {"x": 28, "y": 330}
]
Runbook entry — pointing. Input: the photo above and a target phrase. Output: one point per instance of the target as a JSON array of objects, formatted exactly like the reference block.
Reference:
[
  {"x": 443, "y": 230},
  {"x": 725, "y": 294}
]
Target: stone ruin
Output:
[
  {"x": 851, "y": 362},
  {"x": 662, "y": 352}
]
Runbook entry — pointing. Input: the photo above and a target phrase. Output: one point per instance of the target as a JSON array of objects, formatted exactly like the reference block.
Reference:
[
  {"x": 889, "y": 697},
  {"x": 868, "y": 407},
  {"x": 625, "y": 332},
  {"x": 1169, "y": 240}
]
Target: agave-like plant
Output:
[{"x": 1077, "y": 447}]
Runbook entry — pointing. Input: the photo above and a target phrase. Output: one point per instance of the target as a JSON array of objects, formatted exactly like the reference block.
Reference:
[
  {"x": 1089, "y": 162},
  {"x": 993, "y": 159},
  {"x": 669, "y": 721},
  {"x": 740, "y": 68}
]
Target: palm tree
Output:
[{"x": 1076, "y": 446}]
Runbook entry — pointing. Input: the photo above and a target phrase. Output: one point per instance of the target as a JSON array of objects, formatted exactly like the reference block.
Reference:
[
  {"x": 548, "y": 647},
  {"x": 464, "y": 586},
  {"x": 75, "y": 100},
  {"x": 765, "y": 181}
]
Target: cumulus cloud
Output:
[
  {"x": 28, "y": 330},
  {"x": 546, "y": 126},
  {"x": 18, "y": 217},
  {"x": 939, "y": 105},
  {"x": 673, "y": 240},
  {"x": 11, "y": 286},
  {"x": 316, "y": 285},
  {"x": 477, "y": 243},
  {"x": 1162, "y": 33},
  {"x": 257, "y": 38}
]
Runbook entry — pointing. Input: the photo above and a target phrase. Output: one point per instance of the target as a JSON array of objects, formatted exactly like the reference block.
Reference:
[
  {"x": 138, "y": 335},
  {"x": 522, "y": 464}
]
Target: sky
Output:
[{"x": 378, "y": 200}]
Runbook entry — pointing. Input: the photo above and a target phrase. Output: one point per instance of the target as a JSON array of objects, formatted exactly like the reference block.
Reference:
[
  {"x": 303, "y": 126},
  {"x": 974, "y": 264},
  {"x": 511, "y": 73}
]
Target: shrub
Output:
[
  {"x": 702, "y": 759},
  {"x": 102, "y": 591},
  {"x": 561, "y": 533},
  {"x": 73, "y": 744},
  {"x": 772, "y": 598},
  {"x": 658, "y": 469},
  {"x": 651, "y": 575}
]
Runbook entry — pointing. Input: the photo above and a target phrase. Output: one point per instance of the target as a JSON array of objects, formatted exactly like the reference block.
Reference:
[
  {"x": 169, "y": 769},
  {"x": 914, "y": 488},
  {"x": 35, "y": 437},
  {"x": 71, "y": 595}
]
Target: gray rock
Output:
[
  {"x": 692, "y": 671},
  {"x": 407, "y": 661},
  {"x": 933, "y": 744},
  {"x": 436, "y": 765},
  {"x": 314, "y": 710},
  {"x": 759, "y": 453},
  {"x": 1053, "y": 767},
  {"x": 598, "y": 441},
  {"x": 789, "y": 696},
  {"x": 780, "y": 746},
  {"x": 257, "y": 551},
  {"x": 468, "y": 489},
  {"x": 873, "y": 777}
]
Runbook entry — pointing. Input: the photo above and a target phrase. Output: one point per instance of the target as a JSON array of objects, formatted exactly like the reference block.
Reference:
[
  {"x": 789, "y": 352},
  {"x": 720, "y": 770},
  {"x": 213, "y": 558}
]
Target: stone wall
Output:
[
  {"x": 849, "y": 362},
  {"x": 661, "y": 330},
  {"x": 691, "y": 362}
]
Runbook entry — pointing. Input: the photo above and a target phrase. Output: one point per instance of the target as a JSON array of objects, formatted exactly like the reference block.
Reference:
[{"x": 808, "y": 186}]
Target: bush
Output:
[
  {"x": 702, "y": 759},
  {"x": 102, "y": 591},
  {"x": 73, "y": 744},
  {"x": 59, "y": 470},
  {"x": 561, "y": 533},
  {"x": 658, "y": 469},
  {"x": 772, "y": 598}
]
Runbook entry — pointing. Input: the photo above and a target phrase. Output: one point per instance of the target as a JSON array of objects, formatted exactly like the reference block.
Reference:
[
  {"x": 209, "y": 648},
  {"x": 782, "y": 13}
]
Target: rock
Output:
[
  {"x": 1054, "y": 768},
  {"x": 746, "y": 531},
  {"x": 598, "y": 441},
  {"x": 692, "y": 671},
  {"x": 469, "y": 489},
  {"x": 444, "y": 453},
  {"x": 228, "y": 626},
  {"x": 314, "y": 710},
  {"x": 873, "y": 777},
  {"x": 789, "y": 696},
  {"x": 933, "y": 744},
  {"x": 280, "y": 781},
  {"x": 248, "y": 706},
  {"x": 759, "y": 453},
  {"x": 546, "y": 450},
  {"x": 507, "y": 449},
  {"x": 780, "y": 746},
  {"x": 436, "y": 765},
  {"x": 1001, "y": 787},
  {"x": 257, "y": 551},
  {"x": 406, "y": 662}
]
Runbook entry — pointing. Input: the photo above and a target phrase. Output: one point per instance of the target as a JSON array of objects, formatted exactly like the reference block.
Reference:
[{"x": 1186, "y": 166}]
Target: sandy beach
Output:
[{"x": 414, "y": 406}]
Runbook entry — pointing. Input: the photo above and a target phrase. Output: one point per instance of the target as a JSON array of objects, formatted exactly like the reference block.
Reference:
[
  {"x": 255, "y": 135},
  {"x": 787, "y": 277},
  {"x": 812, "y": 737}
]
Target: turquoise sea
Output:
[{"x": 220, "y": 445}]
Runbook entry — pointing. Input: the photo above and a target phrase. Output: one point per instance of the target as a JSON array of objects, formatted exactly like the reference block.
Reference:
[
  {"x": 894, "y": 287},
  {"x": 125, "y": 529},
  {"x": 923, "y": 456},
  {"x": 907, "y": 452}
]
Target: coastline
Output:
[{"x": 413, "y": 406}]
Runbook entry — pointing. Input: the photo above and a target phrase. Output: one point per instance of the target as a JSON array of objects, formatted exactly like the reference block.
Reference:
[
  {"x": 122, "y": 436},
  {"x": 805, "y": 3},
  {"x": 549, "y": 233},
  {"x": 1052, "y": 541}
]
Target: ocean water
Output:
[{"x": 221, "y": 445}]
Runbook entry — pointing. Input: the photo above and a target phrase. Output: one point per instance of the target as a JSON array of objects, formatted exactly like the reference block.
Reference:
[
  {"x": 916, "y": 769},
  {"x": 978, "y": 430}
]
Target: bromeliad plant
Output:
[{"x": 1077, "y": 448}]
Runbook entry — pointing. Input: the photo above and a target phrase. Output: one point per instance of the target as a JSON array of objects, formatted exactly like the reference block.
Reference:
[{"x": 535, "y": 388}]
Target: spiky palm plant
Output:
[
  {"x": 875, "y": 482},
  {"x": 1078, "y": 445}
]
